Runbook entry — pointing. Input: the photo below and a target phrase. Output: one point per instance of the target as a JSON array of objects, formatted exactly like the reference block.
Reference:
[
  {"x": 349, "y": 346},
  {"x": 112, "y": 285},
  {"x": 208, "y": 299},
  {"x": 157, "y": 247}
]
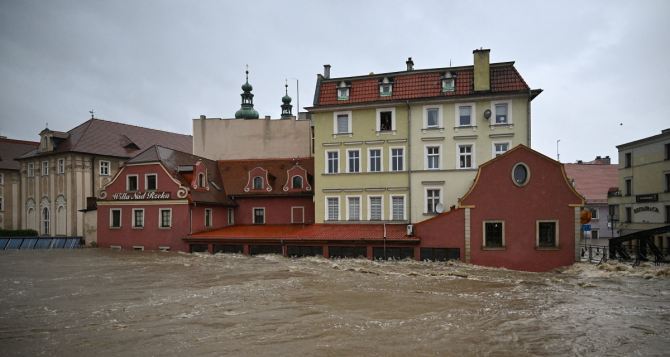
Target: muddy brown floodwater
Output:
[{"x": 92, "y": 302}]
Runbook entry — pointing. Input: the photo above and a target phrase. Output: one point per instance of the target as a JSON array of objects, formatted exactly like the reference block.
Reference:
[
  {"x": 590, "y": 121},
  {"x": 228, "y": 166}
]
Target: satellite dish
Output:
[{"x": 439, "y": 208}]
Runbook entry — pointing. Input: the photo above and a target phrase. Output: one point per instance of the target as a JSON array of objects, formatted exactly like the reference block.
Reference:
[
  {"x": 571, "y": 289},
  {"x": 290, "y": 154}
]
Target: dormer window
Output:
[
  {"x": 258, "y": 183},
  {"x": 386, "y": 87},
  {"x": 448, "y": 82},
  {"x": 201, "y": 180},
  {"x": 297, "y": 182},
  {"x": 343, "y": 91}
]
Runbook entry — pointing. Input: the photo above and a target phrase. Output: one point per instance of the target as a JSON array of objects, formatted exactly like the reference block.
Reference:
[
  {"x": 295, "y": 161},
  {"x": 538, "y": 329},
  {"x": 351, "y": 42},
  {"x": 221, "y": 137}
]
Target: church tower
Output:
[{"x": 247, "y": 110}]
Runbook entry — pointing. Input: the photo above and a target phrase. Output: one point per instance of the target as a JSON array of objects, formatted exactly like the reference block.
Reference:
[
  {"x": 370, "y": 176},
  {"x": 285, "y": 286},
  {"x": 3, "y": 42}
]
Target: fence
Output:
[{"x": 11, "y": 243}]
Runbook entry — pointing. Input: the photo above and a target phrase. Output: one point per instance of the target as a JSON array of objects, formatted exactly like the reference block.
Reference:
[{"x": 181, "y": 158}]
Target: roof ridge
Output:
[
  {"x": 268, "y": 159},
  {"x": 19, "y": 141},
  {"x": 138, "y": 126},
  {"x": 415, "y": 71}
]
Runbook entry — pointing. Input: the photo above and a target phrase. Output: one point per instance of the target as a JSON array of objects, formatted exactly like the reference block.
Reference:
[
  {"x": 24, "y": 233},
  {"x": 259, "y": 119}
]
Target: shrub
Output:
[{"x": 18, "y": 233}]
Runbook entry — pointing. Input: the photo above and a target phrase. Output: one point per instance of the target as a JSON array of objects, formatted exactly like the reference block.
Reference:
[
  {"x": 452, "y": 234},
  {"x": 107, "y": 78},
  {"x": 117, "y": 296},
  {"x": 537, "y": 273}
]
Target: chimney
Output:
[
  {"x": 410, "y": 64},
  {"x": 202, "y": 117},
  {"x": 267, "y": 117},
  {"x": 326, "y": 71},
  {"x": 605, "y": 160},
  {"x": 482, "y": 72}
]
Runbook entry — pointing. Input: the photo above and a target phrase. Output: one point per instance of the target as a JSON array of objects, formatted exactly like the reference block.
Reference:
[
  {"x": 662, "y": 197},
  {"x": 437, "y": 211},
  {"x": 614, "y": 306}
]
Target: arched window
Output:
[
  {"x": 45, "y": 221},
  {"x": 258, "y": 183},
  {"x": 201, "y": 180},
  {"x": 297, "y": 182}
]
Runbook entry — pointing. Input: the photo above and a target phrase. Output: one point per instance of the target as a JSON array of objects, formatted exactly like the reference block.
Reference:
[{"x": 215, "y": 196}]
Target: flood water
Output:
[{"x": 94, "y": 302}]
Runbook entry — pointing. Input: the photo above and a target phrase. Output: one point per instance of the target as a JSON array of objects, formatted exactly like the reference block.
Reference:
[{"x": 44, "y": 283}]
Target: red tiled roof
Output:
[
  {"x": 308, "y": 232},
  {"x": 10, "y": 149},
  {"x": 420, "y": 84},
  {"x": 235, "y": 174},
  {"x": 593, "y": 181}
]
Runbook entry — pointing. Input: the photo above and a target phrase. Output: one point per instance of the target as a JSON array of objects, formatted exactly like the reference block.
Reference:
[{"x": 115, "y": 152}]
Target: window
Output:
[
  {"x": 296, "y": 182},
  {"x": 594, "y": 213},
  {"x": 432, "y": 200},
  {"x": 465, "y": 156},
  {"x": 629, "y": 187},
  {"x": 375, "y": 157},
  {"x": 231, "y": 216},
  {"x": 208, "y": 217},
  {"x": 520, "y": 174},
  {"x": 115, "y": 218},
  {"x": 343, "y": 91},
  {"x": 432, "y": 157},
  {"x": 138, "y": 218},
  {"x": 354, "y": 208},
  {"x": 354, "y": 160},
  {"x": 500, "y": 148},
  {"x": 45, "y": 221},
  {"x": 258, "y": 183},
  {"x": 375, "y": 210},
  {"x": 397, "y": 159},
  {"x": 61, "y": 166},
  {"x": 259, "y": 215},
  {"x": 501, "y": 113},
  {"x": 594, "y": 234},
  {"x": 131, "y": 183},
  {"x": 667, "y": 182},
  {"x": 31, "y": 170},
  {"x": 629, "y": 215},
  {"x": 667, "y": 151},
  {"x": 104, "y": 168},
  {"x": 45, "y": 168},
  {"x": 398, "y": 208},
  {"x": 150, "y": 182},
  {"x": 297, "y": 214},
  {"x": 333, "y": 159},
  {"x": 342, "y": 123},
  {"x": 333, "y": 208},
  {"x": 628, "y": 159},
  {"x": 547, "y": 234},
  {"x": 432, "y": 117},
  {"x": 385, "y": 119},
  {"x": 165, "y": 217},
  {"x": 447, "y": 83},
  {"x": 494, "y": 236},
  {"x": 385, "y": 87},
  {"x": 201, "y": 180},
  {"x": 465, "y": 115}
]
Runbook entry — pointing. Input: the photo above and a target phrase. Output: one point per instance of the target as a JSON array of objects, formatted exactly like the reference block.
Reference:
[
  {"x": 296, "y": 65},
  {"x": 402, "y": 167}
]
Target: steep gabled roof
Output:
[
  {"x": 236, "y": 174},
  {"x": 10, "y": 149},
  {"x": 102, "y": 137},
  {"x": 593, "y": 180}
]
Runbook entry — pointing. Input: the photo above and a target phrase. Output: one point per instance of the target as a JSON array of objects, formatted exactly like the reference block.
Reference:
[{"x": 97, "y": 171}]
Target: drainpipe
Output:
[{"x": 409, "y": 162}]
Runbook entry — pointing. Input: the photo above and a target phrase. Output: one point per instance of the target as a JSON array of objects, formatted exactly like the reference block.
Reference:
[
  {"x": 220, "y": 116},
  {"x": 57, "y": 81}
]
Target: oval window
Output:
[{"x": 520, "y": 174}]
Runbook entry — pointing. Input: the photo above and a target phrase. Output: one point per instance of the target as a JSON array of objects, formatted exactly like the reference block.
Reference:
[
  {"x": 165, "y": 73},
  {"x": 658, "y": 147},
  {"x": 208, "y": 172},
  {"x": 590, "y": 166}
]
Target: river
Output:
[{"x": 95, "y": 302}]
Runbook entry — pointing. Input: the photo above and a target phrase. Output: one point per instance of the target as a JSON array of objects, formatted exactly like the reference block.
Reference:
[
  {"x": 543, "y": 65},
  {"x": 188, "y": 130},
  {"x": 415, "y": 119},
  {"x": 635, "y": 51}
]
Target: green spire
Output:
[
  {"x": 247, "y": 110},
  {"x": 286, "y": 107}
]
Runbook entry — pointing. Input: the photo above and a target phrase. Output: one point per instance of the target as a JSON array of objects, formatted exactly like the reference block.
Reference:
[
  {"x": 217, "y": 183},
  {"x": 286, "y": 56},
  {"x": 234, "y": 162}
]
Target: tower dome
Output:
[{"x": 247, "y": 110}]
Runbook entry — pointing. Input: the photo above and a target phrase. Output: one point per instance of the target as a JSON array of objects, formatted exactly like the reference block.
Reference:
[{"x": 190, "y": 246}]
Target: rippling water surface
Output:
[{"x": 97, "y": 302}]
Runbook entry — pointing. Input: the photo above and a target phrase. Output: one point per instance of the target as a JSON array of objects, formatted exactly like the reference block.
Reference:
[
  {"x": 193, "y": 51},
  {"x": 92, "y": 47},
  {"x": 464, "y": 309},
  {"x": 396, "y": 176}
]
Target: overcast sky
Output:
[{"x": 159, "y": 64}]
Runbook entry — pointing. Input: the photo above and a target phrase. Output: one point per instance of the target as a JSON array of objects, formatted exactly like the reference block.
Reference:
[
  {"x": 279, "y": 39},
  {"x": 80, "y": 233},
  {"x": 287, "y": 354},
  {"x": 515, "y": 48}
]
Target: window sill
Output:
[
  {"x": 138, "y": 227},
  {"x": 386, "y": 132},
  {"x": 342, "y": 98},
  {"x": 164, "y": 227},
  {"x": 472, "y": 127},
  {"x": 432, "y": 128},
  {"x": 501, "y": 125},
  {"x": 115, "y": 228},
  {"x": 335, "y": 135},
  {"x": 427, "y": 214},
  {"x": 494, "y": 248},
  {"x": 548, "y": 248}
]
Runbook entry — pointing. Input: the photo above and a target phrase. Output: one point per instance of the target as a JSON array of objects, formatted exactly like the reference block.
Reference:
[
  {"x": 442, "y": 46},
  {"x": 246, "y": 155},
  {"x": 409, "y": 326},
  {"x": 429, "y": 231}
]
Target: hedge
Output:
[{"x": 18, "y": 233}]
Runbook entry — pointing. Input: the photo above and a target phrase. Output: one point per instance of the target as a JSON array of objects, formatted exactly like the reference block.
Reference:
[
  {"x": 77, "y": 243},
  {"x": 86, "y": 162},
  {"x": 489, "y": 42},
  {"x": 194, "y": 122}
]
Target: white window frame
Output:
[
  {"x": 425, "y": 198},
  {"x": 253, "y": 215},
  {"x": 30, "y": 170},
  {"x": 404, "y": 158},
  {"x": 111, "y": 218},
  {"x": 60, "y": 166},
  {"x": 327, "y": 166},
  {"x": 208, "y": 212},
  {"x": 146, "y": 181},
  {"x": 160, "y": 218},
  {"x": 101, "y": 167},
  {"x": 473, "y": 161},
  {"x": 202, "y": 180},
  {"x": 439, "y": 156},
  {"x": 484, "y": 233},
  {"x": 440, "y": 124},
  {"x": 231, "y": 216},
  {"x": 404, "y": 206},
  {"x": 137, "y": 179},
  {"x": 360, "y": 208},
  {"x": 494, "y": 153},
  {"x": 338, "y": 208},
  {"x": 359, "y": 161},
  {"x": 45, "y": 168},
  {"x": 369, "y": 204},
  {"x": 343, "y": 85},
  {"x": 537, "y": 233},
  {"x": 379, "y": 119},
  {"x": 143, "y": 218},
  {"x": 381, "y": 159},
  {"x": 349, "y": 114},
  {"x": 457, "y": 114},
  {"x": 509, "y": 112}
]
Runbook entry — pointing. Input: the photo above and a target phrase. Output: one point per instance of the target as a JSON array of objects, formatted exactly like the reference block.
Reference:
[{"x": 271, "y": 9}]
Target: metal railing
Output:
[{"x": 22, "y": 243}]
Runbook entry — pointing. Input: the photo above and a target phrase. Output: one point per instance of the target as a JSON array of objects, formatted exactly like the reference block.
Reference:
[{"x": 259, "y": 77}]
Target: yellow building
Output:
[{"x": 401, "y": 146}]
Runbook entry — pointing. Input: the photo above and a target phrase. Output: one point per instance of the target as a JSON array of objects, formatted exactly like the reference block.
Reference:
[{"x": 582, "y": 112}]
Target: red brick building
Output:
[
  {"x": 158, "y": 198},
  {"x": 521, "y": 213}
]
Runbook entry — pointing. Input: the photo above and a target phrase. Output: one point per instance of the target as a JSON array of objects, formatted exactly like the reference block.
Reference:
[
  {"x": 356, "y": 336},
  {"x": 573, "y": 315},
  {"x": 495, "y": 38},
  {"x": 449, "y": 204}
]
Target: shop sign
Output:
[{"x": 148, "y": 195}]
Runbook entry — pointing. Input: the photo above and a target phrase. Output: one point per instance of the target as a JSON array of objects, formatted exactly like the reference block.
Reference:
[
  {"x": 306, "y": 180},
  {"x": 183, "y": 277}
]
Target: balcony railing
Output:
[{"x": 616, "y": 193}]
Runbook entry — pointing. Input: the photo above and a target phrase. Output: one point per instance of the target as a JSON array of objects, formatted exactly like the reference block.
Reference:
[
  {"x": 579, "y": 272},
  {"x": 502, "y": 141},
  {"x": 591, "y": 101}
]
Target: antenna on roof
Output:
[
  {"x": 450, "y": 62},
  {"x": 92, "y": 112},
  {"x": 46, "y": 125}
]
